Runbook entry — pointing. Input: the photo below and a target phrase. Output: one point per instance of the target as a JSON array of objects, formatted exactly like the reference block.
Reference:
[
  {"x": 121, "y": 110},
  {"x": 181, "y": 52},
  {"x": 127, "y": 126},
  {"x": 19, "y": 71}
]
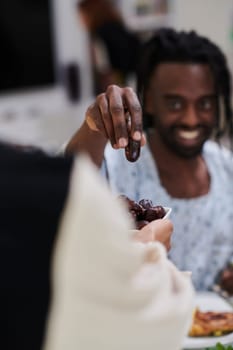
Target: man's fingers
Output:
[
  {"x": 133, "y": 105},
  {"x": 117, "y": 111},
  {"x": 143, "y": 140},
  {"x": 106, "y": 117},
  {"x": 117, "y": 114}
]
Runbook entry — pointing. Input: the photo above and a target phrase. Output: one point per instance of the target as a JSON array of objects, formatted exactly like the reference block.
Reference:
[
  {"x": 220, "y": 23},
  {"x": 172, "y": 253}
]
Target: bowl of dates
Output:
[{"x": 144, "y": 211}]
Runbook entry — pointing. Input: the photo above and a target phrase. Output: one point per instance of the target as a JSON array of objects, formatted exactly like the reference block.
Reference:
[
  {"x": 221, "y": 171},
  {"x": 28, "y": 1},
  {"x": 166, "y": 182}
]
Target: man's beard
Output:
[{"x": 182, "y": 150}]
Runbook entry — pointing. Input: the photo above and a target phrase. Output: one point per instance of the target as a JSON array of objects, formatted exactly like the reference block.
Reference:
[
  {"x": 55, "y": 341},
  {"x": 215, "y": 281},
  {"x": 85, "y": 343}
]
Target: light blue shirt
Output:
[{"x": 202, "y": 241}]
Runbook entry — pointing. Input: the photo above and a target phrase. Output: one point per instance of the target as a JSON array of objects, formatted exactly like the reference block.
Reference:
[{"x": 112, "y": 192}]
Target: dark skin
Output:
[
  {"x": 182, "y": 101},
  {"x": 105, "y": 120}
]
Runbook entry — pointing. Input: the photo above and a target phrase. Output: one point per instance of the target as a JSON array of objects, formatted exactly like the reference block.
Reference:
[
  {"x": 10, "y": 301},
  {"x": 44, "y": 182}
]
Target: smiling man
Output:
[
  {"x": 184, "y": 90},
  {"x": 182, "y": 102}
]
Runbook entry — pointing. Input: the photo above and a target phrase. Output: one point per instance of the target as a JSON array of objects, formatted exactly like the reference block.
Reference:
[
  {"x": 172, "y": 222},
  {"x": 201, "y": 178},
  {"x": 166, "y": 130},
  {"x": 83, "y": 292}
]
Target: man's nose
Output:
[{"x": 191, "y": 116}]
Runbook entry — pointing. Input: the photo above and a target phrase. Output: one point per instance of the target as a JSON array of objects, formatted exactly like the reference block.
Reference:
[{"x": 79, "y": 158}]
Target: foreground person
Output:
[
  {"x": 184, "y": 89},
  {"x": 33, "y": 190},
  {"x": 109, "y": 291}
]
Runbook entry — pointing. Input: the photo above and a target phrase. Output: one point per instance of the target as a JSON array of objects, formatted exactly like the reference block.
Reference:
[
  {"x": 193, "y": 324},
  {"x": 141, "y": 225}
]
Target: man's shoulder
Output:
[
  {"x": 217, "y": 150},
  {"x": 219, "y": 158}
]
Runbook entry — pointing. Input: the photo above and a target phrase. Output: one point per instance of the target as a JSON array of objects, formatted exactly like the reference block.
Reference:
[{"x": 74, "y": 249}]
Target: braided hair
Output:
[{"x": 168, "y": 45}]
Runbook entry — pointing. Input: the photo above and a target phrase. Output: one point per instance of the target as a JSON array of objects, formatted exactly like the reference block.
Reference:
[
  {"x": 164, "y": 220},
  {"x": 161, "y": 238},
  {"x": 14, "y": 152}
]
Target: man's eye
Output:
[
  {"x": 175, "y": 105},
  {"x": 206, "y": 104}
]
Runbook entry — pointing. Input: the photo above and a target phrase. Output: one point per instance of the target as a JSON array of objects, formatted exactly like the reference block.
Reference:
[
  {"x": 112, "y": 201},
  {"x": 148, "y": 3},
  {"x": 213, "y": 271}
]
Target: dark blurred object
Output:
[
  {"x": 132, "y": 150},
  {"x": 33, "y": 189},
  {"x": 109, "y": 34},
  {"x": 157, "y": 7},
  {"x": 72, "y": 81},
  {"x": 26, "y": 59},
  {"x": 226, "y": 279}
]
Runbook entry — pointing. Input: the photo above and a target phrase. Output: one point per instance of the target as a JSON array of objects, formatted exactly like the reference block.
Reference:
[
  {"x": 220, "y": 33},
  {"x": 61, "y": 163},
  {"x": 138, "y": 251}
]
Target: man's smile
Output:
[{"x": 189, "y": 135}]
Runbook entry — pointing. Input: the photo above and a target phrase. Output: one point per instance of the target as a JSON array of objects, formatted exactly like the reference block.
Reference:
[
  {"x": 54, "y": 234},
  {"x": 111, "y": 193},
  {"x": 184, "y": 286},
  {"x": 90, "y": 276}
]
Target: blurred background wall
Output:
[
  {"x": 212, "y": 18},
  {"x": 46, "y": 116}
]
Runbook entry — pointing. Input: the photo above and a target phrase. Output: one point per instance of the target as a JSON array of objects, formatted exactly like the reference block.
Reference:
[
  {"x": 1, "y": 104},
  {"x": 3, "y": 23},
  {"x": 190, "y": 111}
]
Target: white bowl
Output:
[{"x": 168, "y": 212}]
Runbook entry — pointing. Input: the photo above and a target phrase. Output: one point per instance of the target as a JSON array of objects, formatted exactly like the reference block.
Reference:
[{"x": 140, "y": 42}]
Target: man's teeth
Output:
[{"x": 188, "y": 135}]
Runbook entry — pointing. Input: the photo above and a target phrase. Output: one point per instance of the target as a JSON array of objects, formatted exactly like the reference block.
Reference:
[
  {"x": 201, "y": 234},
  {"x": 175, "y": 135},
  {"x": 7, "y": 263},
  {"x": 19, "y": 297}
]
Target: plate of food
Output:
[{"x": 212, "y": 322}]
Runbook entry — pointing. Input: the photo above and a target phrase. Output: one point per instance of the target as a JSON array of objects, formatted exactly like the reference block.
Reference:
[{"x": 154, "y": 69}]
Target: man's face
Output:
[{"x": 182, "y": 100}]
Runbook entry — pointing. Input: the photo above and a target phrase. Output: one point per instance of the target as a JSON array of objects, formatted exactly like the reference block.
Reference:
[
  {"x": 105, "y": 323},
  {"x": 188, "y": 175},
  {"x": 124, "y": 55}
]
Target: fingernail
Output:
[
  {"x": 137, "y": 136},
  {"x": 122, "y": 142}
]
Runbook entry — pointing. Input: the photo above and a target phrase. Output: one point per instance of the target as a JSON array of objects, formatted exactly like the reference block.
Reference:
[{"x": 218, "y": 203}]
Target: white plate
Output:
[
  {"x": 208, "y": 301},
  {"x": 168, "y": 212}
]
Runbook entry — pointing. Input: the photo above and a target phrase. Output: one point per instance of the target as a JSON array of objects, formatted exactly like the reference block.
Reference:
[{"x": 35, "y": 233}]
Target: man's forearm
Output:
[{"x": 88, "y": 141}]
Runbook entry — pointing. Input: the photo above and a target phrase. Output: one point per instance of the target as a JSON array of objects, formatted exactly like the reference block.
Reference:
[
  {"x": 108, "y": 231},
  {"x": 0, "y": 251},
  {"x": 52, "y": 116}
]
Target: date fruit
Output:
[
  {"x": 143, "y": 211},
  {"x": 132, "y": 150}
]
